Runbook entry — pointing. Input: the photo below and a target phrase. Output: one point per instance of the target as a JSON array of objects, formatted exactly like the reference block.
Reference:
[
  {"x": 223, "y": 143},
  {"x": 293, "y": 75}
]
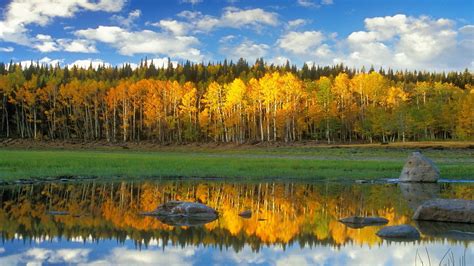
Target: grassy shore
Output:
[{"x": 316, "y": 162}]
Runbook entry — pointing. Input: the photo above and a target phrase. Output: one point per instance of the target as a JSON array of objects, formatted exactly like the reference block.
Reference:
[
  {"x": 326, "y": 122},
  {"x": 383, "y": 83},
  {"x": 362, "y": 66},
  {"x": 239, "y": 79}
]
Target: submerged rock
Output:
[
  {"x": 446, "y": 210},
  {"x": 246, "y": 214},
  {"x": 184, "y": 213},
  {"x": 399, "y": 232},
  {"x": 360, "y": 222},
  {"x": 418, "y": 168}
]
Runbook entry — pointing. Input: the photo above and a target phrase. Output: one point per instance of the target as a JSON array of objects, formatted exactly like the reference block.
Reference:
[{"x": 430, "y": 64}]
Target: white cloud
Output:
[
  {"x": 247, "y": 50},
  {"x": 129, "y": 20},
  {"x": 278, "y": 60},
  {"x": 408, "y": 42},
  {"x": 227, "y": 38},
  {"x": 86, "y": 63},
  {"x": 327, "y": 2},
  {"x": 192, "y": 2},
  {"x": 43, "y": 61},
  {"x": 234, "y": 17},
  {"x": 301, "y": 43},
  {"x": 173, "y": 26},
  {"x": 46, "y": 44},
  {"x": 20, "y": 13},
  {"x": 144, "y": 42},
  {"x": 77, "y": 46},
  {"x": 231, "y": 18},
  {"x": 296, "y": 23},
  {"x": 467, "y": 30},
  {"x": 8, "y": 49},
  {"x": 307, "y": 3}
]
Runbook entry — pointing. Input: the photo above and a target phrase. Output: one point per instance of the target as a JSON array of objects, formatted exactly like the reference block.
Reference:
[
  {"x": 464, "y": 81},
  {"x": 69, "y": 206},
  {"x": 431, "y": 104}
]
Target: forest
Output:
[{"x": 234, "y": 102}]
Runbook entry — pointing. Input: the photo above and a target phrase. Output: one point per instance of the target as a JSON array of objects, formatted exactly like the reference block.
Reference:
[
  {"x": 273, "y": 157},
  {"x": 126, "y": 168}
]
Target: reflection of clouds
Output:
[
  {"x": 393, "y": 253},
  {"x": 124, "y": 256},
  {"x": 38, "y": 256},
  {"x": 385, "y": 254},
  {"x": 244, "y": 257}
]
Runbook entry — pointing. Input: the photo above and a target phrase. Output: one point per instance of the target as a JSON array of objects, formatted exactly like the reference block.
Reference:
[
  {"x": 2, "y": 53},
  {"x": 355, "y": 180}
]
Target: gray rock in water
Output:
[
  {"x": 446, "y": 210},
  {"x": 184, "y": 213},
  {"x": 399, "y": 232},
  {"x": 360, "y": 222},
  {"x": 418, "y": 168},
  {"x": 246, "y": 214}
]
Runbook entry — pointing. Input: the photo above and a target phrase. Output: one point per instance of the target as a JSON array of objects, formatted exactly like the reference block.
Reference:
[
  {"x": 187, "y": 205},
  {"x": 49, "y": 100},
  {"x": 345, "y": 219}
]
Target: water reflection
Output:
[{"x": 285, "y": 217}]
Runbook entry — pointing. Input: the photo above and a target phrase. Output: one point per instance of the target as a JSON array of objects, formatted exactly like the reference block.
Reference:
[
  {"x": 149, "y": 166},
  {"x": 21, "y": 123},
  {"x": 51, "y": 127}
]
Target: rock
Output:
[
  {"x": 184, "y": 213},
  {"x": 418, "y": 168},
  {"x": 246, "y": 214},
  {"x": 446, "y": 210},
  {"x": 453, "y": 231},
  {"x": 360, "y": 222},
  {"x": 399, "y": 232},
  {"x": 417, "y": 193}
]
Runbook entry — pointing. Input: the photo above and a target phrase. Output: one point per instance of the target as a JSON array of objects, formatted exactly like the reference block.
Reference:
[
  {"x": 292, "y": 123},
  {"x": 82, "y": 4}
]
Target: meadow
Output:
[{"x": 316, "y": 162}]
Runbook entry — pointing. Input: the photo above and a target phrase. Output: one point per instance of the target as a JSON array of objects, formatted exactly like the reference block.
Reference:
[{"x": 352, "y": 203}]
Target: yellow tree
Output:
[
  {"x": 188, "y": 111},
  {"x": 234, "y": 106}
]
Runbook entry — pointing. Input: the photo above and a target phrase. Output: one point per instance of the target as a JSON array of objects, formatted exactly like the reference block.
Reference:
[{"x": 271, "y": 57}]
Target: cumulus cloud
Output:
[
  {"x": 407, "y": 42},
  {"x": 21, "y": 13},
  {"x": 248, "y": 50},
  {"x": 144, "y": 42},
  {"x": 296, "y": 23},
  {"x": 301, "y": 43},
  {"x": 306, "y": 45},
  {"x": 46, "y": 44},
  {"x": 231, "y": 18},
  {"x": 173, "y": 26},
  {"x": 129, "y": 20}
]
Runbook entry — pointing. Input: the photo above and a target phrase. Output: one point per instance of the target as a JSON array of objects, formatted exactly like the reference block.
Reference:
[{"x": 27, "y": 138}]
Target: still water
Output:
[{"x": 293, "y": 223}]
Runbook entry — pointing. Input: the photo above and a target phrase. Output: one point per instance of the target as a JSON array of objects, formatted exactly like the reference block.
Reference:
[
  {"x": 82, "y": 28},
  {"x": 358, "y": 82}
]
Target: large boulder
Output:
[
  {"x": 404, "y": 231},
  {"x": 360, "y": 222},
  {"x": 418, "y": 168},
  {"x": 184, "y": 213},
  {"x": 446, "y": 210}
]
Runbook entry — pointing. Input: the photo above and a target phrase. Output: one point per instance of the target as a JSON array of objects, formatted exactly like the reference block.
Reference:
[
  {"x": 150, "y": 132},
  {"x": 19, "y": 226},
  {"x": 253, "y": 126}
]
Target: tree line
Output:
[{"x": 234, "y": 102}]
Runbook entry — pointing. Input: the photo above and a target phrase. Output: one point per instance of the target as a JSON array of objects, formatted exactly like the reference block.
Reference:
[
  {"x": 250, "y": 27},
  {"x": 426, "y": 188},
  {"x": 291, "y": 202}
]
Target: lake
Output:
[{"x": 293, "y": 223}]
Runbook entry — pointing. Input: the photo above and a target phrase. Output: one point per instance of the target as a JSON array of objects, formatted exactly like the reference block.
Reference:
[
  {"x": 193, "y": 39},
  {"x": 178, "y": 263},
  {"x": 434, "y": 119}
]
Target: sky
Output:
[{"x": 405, "y": 34}]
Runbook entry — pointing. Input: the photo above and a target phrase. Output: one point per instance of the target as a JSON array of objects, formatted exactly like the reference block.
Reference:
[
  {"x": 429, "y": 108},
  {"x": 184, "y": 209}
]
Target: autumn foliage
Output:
[{"x": 261, "y": 104}]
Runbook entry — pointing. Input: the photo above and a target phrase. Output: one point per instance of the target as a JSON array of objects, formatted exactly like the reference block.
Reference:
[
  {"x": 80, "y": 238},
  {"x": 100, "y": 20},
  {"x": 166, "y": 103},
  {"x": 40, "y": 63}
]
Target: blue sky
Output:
[{"x": 431, "y": 35}]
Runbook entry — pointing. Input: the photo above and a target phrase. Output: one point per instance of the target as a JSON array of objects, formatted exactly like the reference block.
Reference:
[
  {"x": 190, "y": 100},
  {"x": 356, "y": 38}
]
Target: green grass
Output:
[{"x": 251, "y": 162}]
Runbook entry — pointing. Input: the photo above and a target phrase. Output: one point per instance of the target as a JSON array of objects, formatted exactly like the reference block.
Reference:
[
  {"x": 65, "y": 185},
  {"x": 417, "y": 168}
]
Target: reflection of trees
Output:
[{"x": 284, "y": 213}]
